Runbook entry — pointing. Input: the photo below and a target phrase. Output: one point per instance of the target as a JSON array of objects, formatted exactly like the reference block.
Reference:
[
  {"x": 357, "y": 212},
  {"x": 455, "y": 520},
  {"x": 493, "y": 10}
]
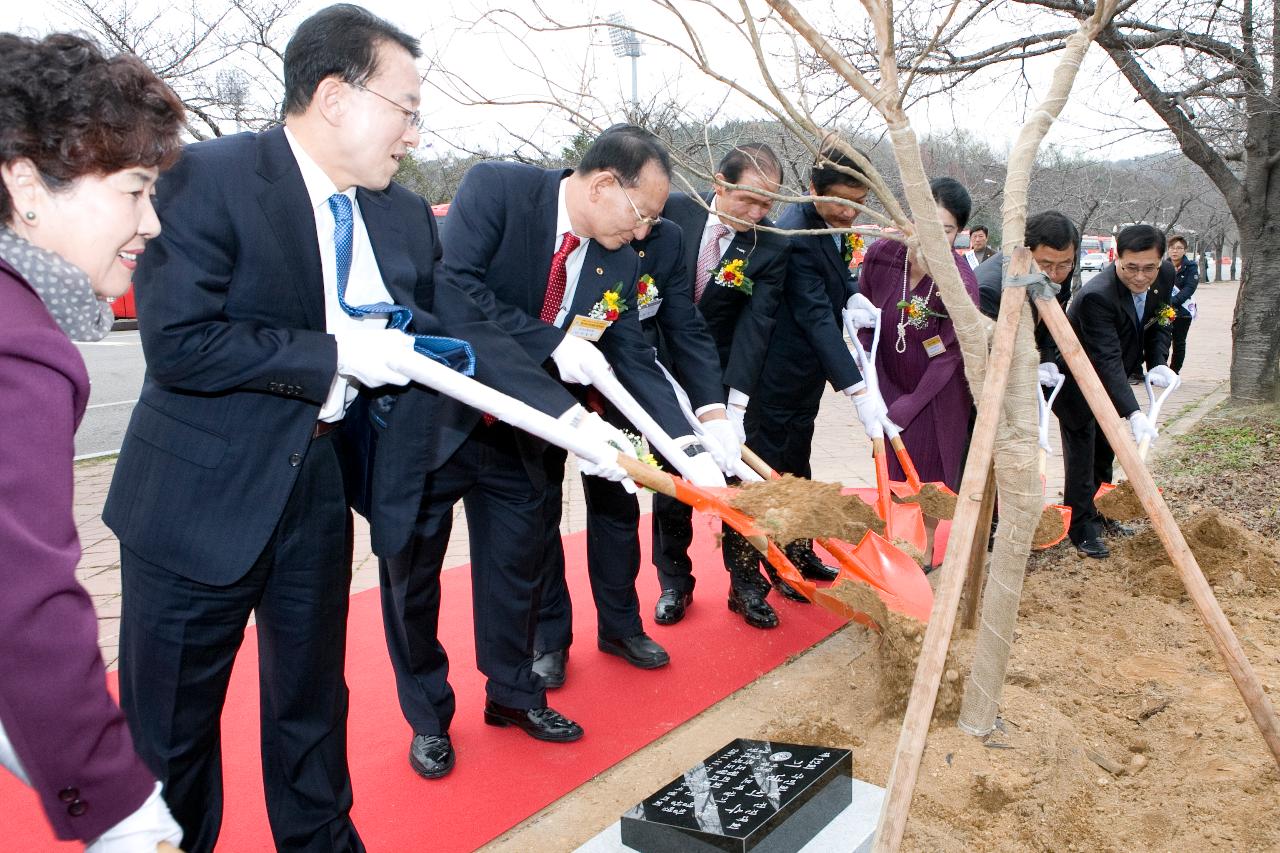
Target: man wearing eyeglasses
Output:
[
  {"x": 545, "y": 253},
  {"x": 1116, "y": 316}
]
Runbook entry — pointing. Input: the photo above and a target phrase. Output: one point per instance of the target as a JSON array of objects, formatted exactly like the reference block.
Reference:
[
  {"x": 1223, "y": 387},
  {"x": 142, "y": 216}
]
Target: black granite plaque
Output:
[{"x": 750, "y": 795}]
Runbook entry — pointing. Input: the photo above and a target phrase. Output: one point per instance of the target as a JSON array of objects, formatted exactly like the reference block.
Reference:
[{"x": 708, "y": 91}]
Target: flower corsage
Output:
[
  {"x": 611, "y": 304},
  {"x": 646, "y": 291},
  {"x": 732, "y": 274},
  {"x": 917, "y": 312},
  {"x": 1166, "y": 315},
  {"x": 852, "y": 248}
]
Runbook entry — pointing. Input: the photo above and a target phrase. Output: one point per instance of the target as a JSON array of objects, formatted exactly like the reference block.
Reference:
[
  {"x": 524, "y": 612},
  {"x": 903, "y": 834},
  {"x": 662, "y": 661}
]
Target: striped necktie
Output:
[{"x": 451, "y": 352}]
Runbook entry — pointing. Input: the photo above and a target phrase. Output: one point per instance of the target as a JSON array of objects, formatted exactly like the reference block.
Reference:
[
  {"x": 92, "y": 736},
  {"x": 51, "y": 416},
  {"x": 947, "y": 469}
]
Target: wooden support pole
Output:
[
  {"x": 933, "y": 652},
  {"x": 1118, "y": 434},
  {"x": 976, "y": 578}
]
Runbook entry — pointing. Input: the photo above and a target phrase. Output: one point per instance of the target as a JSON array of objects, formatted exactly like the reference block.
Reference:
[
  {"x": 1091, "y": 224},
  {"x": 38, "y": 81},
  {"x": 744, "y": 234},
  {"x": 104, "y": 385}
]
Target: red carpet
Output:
[{"x": 502, "y": 776}]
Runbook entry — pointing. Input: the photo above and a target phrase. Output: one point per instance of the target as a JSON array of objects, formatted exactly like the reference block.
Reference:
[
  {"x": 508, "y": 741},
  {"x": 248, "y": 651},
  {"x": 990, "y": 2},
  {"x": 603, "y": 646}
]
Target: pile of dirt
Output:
[
  {"x": 933, "y": 501},
  {"x": 1231, "y": 557},
  {"x": 793, "y": 508},
  {"x": 901, "y": 638},
  {"x": 1050, "y": 528},
  {"x": 1121, "y": 503}
]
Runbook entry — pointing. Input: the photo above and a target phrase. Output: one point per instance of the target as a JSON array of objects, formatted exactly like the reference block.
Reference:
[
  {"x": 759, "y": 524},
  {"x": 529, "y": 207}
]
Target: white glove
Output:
[
  {"x": 861, "y": 312},
  {"x": 577, "y": 359},
  {"x": 1162, "y": 377},
  {"x": 722, "y": 443},
  {"x": 736, "y": 411},
  {"x": 367, "y": 356},
  {"x": 700, "y": 469},
  {"x": 593, "y": 429},
  {"x": 1049, "y": 374},
  {"x": 871, "y": 411},
  {"x": 1142, "y": 427}
]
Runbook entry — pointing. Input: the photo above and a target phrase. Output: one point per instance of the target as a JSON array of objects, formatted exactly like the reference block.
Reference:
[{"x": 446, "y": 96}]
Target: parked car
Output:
[{"x": 1093, "y": 262}]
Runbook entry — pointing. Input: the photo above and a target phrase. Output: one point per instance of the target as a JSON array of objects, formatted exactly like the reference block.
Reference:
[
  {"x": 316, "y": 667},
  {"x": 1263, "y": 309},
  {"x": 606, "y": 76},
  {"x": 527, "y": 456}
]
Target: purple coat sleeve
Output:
[{"x": 64, "y": 726}]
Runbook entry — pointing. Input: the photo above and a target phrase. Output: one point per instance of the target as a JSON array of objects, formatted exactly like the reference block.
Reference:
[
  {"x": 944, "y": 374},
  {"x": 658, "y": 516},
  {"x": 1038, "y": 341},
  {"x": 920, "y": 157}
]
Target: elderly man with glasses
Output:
[{"x": 1118, "y": 317}]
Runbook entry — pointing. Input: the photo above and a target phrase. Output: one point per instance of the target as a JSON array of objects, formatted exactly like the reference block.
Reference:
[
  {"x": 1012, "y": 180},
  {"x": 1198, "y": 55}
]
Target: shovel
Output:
[
  {"x": 1154, "y": 405},
  {"x": 895, "y": 577},
  {"x": 904, "y": 521},
  {"x": 1062, "y": 513}
]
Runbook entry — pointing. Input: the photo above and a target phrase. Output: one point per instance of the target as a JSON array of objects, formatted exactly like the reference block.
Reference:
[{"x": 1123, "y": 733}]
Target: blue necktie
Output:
[
  {"x": 1139, "y": 303},
  {"x": 451, "y": 352}
]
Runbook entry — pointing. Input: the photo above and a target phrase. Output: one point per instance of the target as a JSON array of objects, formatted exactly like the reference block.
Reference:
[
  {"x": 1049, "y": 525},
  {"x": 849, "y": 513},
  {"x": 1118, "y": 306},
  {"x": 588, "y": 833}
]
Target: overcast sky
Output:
[{"x": 500, "y": 59}]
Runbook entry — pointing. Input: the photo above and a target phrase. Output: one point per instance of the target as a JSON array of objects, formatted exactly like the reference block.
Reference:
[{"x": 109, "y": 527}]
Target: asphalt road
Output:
[{"x": 115, "y": 368}]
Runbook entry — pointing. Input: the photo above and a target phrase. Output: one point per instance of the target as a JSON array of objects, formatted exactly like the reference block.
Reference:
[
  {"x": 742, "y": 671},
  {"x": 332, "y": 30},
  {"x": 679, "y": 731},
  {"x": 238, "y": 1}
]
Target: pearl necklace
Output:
[{"x": 917, "y": 321}]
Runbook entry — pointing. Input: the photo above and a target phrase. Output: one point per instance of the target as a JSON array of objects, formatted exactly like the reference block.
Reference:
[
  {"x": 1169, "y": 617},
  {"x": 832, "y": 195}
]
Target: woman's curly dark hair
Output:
[{"x": 73, "y": 111}]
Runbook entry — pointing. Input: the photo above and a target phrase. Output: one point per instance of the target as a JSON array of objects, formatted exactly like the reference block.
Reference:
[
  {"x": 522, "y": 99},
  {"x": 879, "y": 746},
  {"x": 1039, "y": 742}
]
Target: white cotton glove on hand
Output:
[
  {"x": 577, "y": 359},
  {"x": 722, "y": 443},
  {"x": 1162, "y": 377},
  {"x": 861, "y": 312},
  {"x": 736, "y": 412},
  {"x": 1049, "y": 374},
  {"x": 369, "y": 356},
  {"x": 872, "y": 412},
  {"x": 1142, "y": 427},
  {"x": 700, "y": 469},
  {"x": 590, "y": 426}
]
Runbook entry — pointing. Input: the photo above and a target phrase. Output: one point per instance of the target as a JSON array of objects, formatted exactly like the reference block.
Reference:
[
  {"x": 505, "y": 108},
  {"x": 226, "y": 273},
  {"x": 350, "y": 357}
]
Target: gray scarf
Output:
[{"x": 64, "y": 288}]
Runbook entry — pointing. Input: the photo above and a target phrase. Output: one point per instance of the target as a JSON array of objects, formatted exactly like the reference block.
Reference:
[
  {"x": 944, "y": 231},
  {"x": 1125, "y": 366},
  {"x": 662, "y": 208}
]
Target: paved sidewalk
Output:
[{"x": 841, "y": 453}]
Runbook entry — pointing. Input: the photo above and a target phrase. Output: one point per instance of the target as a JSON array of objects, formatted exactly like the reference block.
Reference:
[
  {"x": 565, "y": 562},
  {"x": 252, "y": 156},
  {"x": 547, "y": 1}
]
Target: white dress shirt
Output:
[
  {"x": 573, "y": 263},
  {"x": 364, "y": 283}
]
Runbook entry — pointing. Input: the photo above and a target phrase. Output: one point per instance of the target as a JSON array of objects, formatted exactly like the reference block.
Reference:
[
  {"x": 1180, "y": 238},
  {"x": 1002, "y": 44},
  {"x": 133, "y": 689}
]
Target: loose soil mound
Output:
[
  {"x": 793, "y": 508},
  {"x": 933, "y": 501},
  {"x": 1121, "y": 503},
  {"x": 1050, "y": 528},
  {"x": 1230, "y": 556}
]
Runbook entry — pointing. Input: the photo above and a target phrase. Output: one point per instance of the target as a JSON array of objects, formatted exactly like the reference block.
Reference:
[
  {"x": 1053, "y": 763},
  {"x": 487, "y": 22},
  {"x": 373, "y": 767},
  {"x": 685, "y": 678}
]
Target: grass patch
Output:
[{"x": 1228, "y": 439}]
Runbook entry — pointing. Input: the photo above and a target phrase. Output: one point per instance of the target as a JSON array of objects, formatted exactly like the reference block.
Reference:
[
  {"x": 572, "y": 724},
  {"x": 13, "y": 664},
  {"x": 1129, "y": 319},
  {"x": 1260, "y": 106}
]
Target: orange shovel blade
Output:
[{"x": 892, "y": 574}]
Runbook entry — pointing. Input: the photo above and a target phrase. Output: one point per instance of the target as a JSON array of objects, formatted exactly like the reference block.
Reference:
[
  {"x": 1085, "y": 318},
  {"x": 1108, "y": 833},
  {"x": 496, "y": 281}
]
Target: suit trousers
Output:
[
  {"x": 1178, "y": 348},
  {"x": 613, "y": 560},
  {"x": 503, "y": 509},
  {"x": 178, "y": 641},
  {"x": 1087, "y": 458}
]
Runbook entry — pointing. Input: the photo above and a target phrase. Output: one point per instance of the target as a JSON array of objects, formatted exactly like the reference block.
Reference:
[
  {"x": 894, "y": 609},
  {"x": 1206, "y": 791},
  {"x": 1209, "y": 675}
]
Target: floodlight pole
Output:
[{"x": 626, "y": 44}]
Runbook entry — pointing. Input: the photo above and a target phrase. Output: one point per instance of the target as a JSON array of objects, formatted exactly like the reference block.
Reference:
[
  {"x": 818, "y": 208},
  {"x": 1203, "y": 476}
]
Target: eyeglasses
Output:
[
  {"x": 412, "y": 118},
  {"x": 1144, "y": 270},
  {"x": 1060, "y": 267},
  {"x": 647, "y": 221}
]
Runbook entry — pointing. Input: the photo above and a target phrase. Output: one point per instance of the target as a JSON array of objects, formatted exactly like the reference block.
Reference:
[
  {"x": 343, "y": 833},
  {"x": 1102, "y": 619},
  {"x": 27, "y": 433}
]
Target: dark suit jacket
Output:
[
  {"x": 65, "y": 728},
  {"x": 677, "y": 330},
  {"x": 501, "y": 238},
  {"x": 231, "y": 312},
  {"x": 1186, "y": 280},
  {"x": 808, "y": 341},
  {"x": 990, "y": 275},
  {"x": 1117, "y": 341},
  {"x": 740, "y": 324}
]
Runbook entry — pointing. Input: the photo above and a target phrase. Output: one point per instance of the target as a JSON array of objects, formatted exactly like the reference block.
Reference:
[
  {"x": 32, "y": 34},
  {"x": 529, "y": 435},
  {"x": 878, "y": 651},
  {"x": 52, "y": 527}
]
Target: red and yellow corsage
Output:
[
  {"x": 611, "y": 304},
  {"x": 732, "y": 274},
  {"x": 1166, "y": 315},
  {"x": 853, "y": 250},
  {"x": 646, "y": 291}
]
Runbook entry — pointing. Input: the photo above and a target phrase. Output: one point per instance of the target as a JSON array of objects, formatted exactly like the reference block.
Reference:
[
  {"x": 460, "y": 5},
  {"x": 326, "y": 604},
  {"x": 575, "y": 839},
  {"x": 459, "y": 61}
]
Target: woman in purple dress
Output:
[
  {"x": 920, "y": 367},
  {"x": 82, "y": 138}
]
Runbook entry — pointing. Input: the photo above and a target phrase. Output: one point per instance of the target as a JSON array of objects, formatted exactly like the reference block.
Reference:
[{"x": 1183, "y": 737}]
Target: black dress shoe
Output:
[
  {"x": 541, "y": 723},
  {"x": 1095, "y": 548},
  {"x": 751, "y": 604},
  {"x": 431, "y": 756},
  {"x": 671, "y": 606},
  {"x": 639, "y": 651},
  {"x": 1111, "y": 527},
  {"x": 819, "y": 571},
  {"x": 551, "y": 665},
  {"x": 786, "y": 589},
  {"x": 801, "y": 555}
]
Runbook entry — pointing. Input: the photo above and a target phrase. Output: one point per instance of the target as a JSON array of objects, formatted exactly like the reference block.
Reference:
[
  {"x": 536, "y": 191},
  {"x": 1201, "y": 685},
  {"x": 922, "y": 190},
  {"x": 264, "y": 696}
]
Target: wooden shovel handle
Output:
[{"x": 757, "y": 464}]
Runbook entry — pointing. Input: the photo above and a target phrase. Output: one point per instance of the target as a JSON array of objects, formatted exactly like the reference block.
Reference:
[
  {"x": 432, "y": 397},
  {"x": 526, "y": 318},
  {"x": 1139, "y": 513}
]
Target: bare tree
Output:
[{"x": 1209, "y": 70}]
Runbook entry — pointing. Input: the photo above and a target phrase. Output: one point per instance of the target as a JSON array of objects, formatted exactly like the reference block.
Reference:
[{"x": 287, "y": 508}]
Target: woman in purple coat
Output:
[
  {"x": 920, "y": 367},
  {"x": 82, "y": 139}
]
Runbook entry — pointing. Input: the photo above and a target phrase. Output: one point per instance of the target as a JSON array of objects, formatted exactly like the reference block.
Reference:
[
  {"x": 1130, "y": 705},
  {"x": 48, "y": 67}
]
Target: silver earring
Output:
[{"x": 31, "y": 215}]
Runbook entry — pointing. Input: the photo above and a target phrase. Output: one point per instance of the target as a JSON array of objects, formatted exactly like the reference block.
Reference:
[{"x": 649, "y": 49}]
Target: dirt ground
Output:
[{"x": 1121, "y": 728}]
